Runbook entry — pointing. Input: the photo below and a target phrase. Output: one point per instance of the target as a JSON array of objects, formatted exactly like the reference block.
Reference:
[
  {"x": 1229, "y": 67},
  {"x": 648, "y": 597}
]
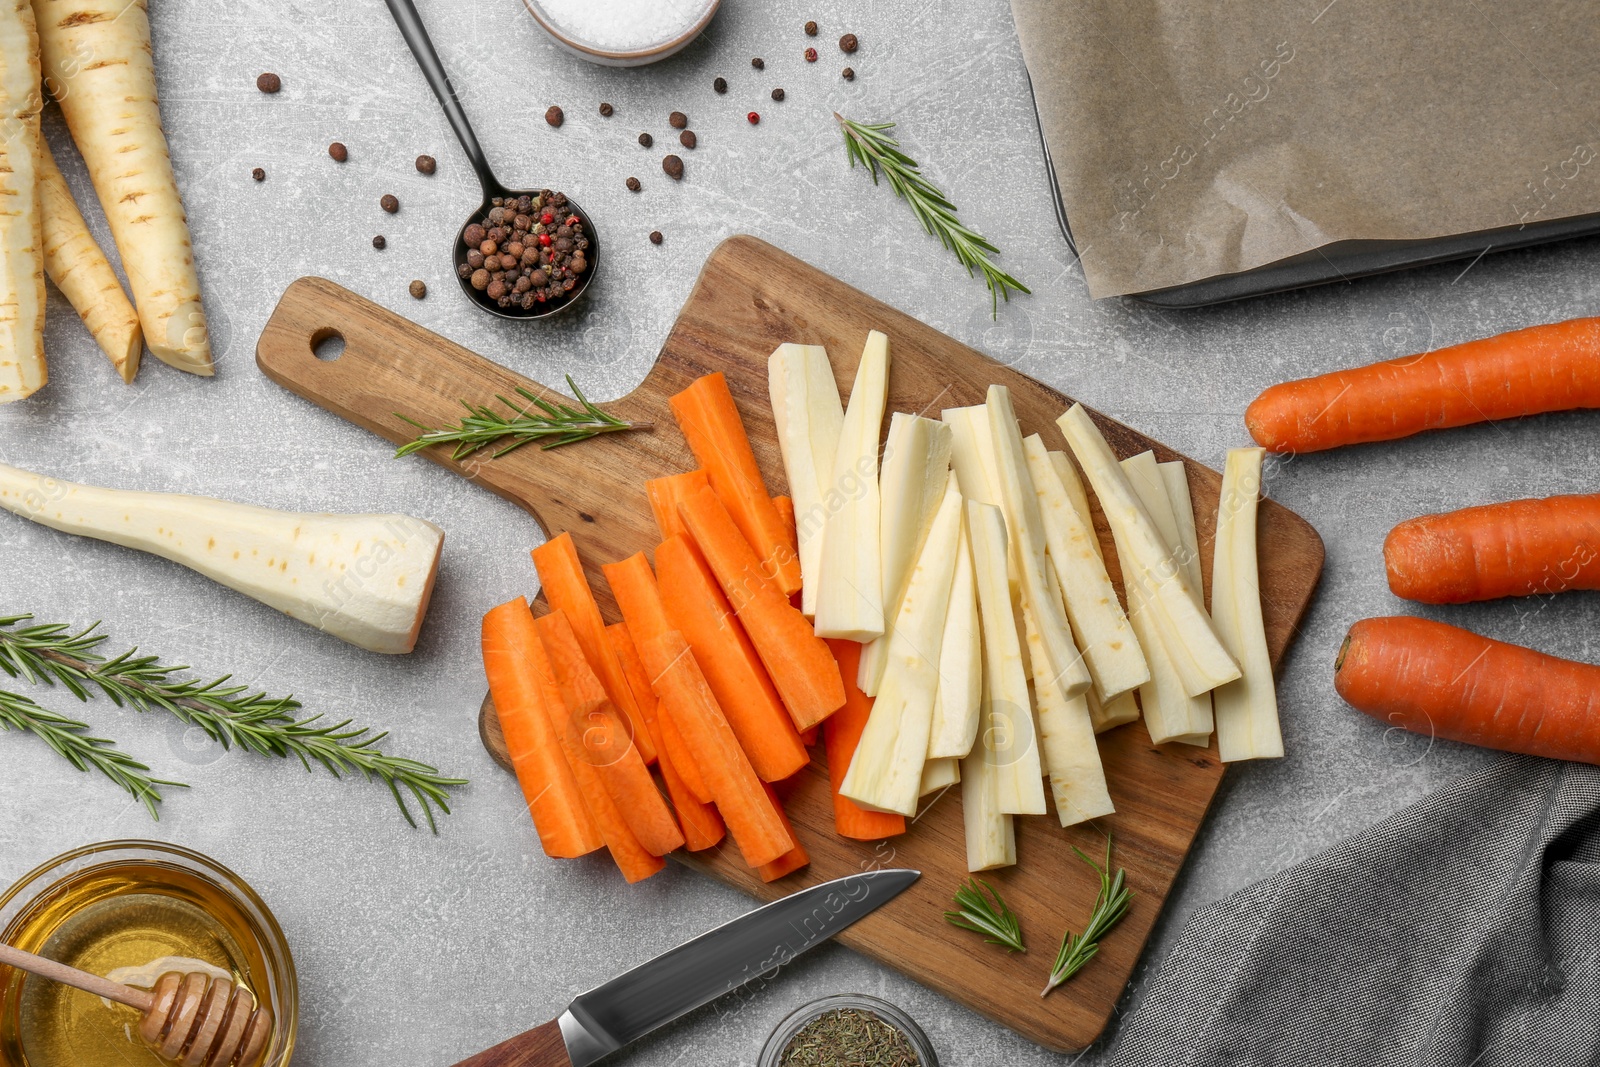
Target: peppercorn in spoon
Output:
[{"x": 542, "y": 245}]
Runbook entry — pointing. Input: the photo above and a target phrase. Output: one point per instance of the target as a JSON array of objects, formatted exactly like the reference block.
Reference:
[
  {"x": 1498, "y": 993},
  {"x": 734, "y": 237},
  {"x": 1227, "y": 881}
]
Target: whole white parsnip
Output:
[{"x": 22, "y": 367}]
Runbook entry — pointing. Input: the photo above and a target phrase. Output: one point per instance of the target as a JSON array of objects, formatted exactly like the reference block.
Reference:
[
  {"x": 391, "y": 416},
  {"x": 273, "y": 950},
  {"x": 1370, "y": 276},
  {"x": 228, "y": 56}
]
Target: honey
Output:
[{"x": 122, "y": 916}]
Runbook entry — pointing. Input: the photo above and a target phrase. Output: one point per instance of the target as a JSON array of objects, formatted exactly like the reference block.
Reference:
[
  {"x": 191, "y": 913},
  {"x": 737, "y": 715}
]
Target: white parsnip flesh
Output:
[
  {"x": 940, "y": 774},
  {"x": 22, "y": 366},
  {"x": 955, "y": 711},
  {"x": 81, "y": 271},
  {"x": 1118, "y": 711},
  {"x": 1008, "y": 735},
  {"x": 916, "y": 468},
  {"x": 1197, "y": 654},
  {"x": 991, "y": 834},
  {"x": 1175, "y": 478},
  {"x": 850, "y": 594},
  {"x": 1071, "y": 755},
  {"x": 98, "y": 64},
  {"x": 1247, "y": 710},
  {"x": 886, "y": 771},
  {"x": 809, "y": 418},
  {"x": 363, "y": 578}
]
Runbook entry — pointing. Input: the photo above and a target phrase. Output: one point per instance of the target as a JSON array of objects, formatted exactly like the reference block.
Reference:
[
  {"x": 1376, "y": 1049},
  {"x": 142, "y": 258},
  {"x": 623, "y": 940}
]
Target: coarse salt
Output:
[{"x": 625, "y": 25}]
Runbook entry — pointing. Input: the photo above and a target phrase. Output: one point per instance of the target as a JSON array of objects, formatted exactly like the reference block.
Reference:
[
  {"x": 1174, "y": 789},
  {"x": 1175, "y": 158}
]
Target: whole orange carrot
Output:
[
  {"x": 1524, "y": 372},
  {"x": 1520, "y": 548},
  {"x": 1446, "y": 682}
]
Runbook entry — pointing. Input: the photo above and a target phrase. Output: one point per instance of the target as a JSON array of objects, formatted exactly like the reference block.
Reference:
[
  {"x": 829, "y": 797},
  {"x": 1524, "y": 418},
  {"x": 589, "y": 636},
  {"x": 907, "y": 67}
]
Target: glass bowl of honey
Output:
[{"x": 131, "y": 910}]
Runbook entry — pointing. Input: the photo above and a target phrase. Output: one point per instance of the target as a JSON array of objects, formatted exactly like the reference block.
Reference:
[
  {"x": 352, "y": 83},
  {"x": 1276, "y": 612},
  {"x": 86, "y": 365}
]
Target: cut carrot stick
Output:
[
  {"x": 554, "y": 799},
  {"x": 683, "y": 763},
  {"x": 567, "y": 590},
  {"x": 840, "y": 734},
  {"x": 785, "y": 506},
  {"x": 752, "y": 818},
  {"x": 797, "y": 660},
  {"x": 602, "y": 739},
  {"x": 809, "y": 738},
  {"x": 1524, "y": 372},
  {"x": 710, "y": 420},
  {"x": 703, "y": 828},
  {"x": 1520, "y": 548},
  {"x": 697, "y": 608},
  {"x": 1443, "y": 681},
  {"x": 665, "y": 493},
  {"x": 790, "y": 861},
  {"x": 634, "y": 861}
]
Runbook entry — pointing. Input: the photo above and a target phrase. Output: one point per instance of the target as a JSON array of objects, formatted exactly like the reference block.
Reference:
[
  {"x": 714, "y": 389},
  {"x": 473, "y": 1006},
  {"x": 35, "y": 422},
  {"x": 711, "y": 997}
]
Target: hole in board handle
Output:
[{"x": 327, "y": 344}]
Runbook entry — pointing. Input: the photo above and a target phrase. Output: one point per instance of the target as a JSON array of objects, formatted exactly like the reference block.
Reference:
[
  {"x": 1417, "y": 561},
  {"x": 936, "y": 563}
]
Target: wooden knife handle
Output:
[{"x": 540, "y": 1047}]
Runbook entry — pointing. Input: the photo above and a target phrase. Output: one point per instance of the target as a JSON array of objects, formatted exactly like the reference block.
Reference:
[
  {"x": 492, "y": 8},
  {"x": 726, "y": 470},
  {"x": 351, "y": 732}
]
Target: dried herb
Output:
[
  {"x": 982, "y": 910},
  {"x": 553, "y": 423},
  {"x": 849, "y": 1037},
  {"x": 1109, "y": 907}
]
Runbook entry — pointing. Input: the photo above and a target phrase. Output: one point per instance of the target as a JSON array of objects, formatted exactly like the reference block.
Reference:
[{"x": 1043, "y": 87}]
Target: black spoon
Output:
[{"x": 416, "y": 35}]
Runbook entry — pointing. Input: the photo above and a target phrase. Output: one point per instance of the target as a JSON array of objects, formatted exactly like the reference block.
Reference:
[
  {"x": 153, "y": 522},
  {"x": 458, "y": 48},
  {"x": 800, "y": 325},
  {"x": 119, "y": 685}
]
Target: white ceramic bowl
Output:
[{"x": 606, "y": 57}]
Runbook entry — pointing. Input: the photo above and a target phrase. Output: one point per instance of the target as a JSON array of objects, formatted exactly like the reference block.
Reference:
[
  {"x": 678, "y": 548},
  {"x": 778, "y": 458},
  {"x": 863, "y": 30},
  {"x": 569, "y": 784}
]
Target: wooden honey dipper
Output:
[{"x": 190, "y": 1020}]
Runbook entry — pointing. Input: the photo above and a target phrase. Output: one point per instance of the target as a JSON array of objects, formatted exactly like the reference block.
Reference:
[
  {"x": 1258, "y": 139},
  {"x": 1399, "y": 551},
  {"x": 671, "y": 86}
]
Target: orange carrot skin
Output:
[
  {"x": 699, "y": 610},
  {"x": 790, "y": 861},
  {"x": 1519, "y": 548},
  {"x": 1524, "y": 372},
  {"x": 567, "y": 590},
  {"x": 840, "y": 735},
  {"x": 665, "y": 493},
  {"x": 1443, "y": 681},
  {"x": 554, "y": 799},
  {"x": 797, "y": 660},
  {"x": 710, "y": 421}
]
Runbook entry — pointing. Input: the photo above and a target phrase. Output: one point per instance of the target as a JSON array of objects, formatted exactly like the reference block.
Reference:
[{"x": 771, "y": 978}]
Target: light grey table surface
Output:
[{"x": 414, "y": 949}]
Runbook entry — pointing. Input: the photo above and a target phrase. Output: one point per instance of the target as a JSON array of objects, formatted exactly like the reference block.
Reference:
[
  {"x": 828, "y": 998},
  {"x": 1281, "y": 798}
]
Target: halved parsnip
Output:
[
  {"x": 916, "y": 466},
  {"x": 1063, "y": 664},
  {"x": 1115, "y": 660},
  {"x": 850, "y": 594},
  {"x": 990, "y": 833},
  {"x": 1247, "y": 710},
  {"x": 1006, "y": 722},
  {"x": 955, "y": 712},
  {"x": 809, "y": 418},
  {"x": 1197, "y": 654},
  {"x": 1071, "y": 756},
  {"x": 940, "y": 774},
  {"x": 1175, "y": 476},
  {"x": 22, "y": 366},
  {"x": 886, "y": 771}
]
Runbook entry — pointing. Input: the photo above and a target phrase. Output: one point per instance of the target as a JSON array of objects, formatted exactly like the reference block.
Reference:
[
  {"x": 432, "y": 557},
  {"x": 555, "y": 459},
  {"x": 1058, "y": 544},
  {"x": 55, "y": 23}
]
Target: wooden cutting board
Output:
[{"x": 750, "y": 297}]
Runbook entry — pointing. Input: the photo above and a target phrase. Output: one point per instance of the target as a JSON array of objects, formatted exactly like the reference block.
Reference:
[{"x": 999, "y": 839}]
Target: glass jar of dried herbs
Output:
[{"x": 845, "y": 1030}]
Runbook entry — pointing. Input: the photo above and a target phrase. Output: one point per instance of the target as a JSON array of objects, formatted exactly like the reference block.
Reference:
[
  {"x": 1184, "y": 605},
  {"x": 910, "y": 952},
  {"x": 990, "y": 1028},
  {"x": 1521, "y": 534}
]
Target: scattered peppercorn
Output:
[
  {"x": 633, "y": 185},
  {"x": 379, "y": 243},
  {"x": 526, "y": 251},
  {"x": 754, "y": 118},
  {"x": 427, "y": 164},
  {"x": 606, "y": 109},
  {"x": 555, "y": 116},
  {"x": 674, "y": 167},
  {"x": 655, "y": 237},
  {"x": 338, "y": 151},
  {"x": 759, "y": 63},
  {"x": 811, "y": 55},
  {"x": 688, "y": 139},
  {"x": 720, "y": 85},
  {"x": 848, "y": 43},
  {"x": 259, "y": 175},
  {"x": 677, "y": 120},
  {"x": 777, "y": 94},
  {"x": 269, "y": 83},
  {"x": 646, "y": 140},
  {"x": 849, "y": 74},
  {"x": 390, "y": 203},
  {"x": 418, "y": 289},
  {"x": 811, "y": 29}
]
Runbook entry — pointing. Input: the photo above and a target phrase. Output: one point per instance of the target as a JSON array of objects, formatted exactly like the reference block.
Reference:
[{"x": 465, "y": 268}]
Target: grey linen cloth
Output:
[{"x": 1464, "y": 929}]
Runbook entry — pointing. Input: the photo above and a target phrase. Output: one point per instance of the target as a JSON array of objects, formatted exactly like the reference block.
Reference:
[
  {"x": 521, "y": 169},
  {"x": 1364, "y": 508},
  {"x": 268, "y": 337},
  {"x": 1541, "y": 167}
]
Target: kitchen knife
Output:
[{"x": 696, "y": 972}]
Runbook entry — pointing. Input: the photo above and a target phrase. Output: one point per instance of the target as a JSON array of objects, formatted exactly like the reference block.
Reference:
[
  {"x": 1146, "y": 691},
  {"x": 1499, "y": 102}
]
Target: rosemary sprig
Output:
[
  {"x": 870, "y": 145},
  {"x": 50, "y": 653},
  {"x": 982, "y": 910},
  {"x": 554, "y": 423},
  {"x": 1110, "y": 905},
  {"x": 72, "y": 740}
]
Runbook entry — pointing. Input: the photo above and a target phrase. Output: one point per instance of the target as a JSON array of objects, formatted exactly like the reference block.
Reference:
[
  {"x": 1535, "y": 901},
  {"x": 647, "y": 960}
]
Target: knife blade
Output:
[{"x": 697, "y": 972}]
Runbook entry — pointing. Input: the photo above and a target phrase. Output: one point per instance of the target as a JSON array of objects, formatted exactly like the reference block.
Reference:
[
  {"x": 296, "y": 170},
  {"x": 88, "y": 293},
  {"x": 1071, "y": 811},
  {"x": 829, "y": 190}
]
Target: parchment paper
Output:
[{"x": 1192, "y": 140}]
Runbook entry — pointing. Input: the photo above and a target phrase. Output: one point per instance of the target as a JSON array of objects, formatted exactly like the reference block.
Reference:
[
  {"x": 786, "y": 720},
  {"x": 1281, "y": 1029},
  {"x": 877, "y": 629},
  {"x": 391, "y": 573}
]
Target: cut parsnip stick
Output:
[
  {"x": 990, "y": 833},
  {"x": 916, "y": 466},
  {"x": 886, "y": 771},
  {"x": 22, "y": 366},
  {"x": 1071, "y": 756},
  {"x": 940, "y": 774},
  {"x": 1114, "y": 658},
  {"x": 809, "y": 418},
  {"x": 81, "y": 271},
  {"x": 850, "y": 600},
  {"x": 1247, "y": 710},
  {"x": 1008, "y": 735},
  {"x": 1175, "y": 477},
  {"x": 1197, "y": 654},
  {"x": 1118, "y": 711},
  {"x": 1063, "y": 665},
  {"x": 955, "y": 712}
]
